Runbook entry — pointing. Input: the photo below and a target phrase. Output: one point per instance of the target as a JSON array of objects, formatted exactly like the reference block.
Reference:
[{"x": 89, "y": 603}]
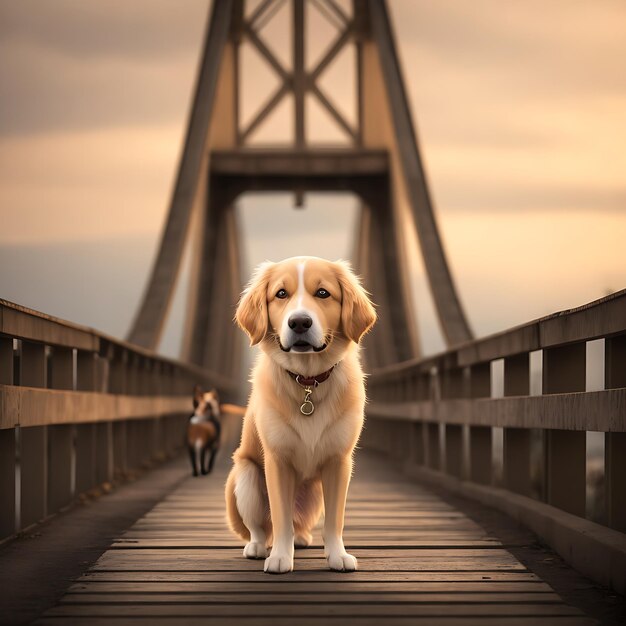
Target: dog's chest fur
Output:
[{"x": 308, "y": 442}]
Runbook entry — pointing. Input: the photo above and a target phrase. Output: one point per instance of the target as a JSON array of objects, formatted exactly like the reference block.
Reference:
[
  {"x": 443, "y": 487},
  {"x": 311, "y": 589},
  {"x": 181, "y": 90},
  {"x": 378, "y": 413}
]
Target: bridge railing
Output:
[
  {"x": 79, "y": 409},
  {"x": 520, "y": 398}
]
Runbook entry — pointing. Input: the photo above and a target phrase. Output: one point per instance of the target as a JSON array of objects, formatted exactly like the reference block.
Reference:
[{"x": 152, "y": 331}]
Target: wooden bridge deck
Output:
[{"x": 420, "y": 562}]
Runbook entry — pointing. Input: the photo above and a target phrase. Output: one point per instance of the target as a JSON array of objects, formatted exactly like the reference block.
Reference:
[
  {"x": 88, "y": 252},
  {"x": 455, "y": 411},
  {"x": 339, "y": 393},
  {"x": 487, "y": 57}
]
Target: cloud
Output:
[
  {"x": 151, "y": 30},
  {"x": 71, "y": 65},
  {"x": 87, "y": 184},
  {"x": 556, "y": 48}
]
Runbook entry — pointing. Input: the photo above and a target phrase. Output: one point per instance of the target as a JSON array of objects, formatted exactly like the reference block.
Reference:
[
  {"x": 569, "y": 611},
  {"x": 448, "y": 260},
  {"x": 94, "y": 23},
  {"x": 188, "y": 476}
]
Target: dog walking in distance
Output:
[
  {"x": 204, "y": 430},
  {"x": 305, "y": 411}
]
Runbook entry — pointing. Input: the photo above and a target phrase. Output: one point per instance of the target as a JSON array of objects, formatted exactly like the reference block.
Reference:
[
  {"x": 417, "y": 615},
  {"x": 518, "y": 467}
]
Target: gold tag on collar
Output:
[{"x": 307, "y": 407}]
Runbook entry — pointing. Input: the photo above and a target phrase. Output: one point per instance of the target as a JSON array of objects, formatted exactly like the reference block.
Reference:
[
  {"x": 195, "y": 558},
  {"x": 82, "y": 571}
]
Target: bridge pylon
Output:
[{"x": 378, "y": 160}]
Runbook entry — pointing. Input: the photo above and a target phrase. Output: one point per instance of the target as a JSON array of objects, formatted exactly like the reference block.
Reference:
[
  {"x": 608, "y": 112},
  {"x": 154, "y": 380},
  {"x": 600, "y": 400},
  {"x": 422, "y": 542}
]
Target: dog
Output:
[
  {"x": 204, "y": 430},
  {"x": 305, "y": 411}
]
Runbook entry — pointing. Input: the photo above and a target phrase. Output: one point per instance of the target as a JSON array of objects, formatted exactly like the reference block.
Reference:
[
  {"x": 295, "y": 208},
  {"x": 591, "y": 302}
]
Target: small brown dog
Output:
[{"x": 203, "y": 430}]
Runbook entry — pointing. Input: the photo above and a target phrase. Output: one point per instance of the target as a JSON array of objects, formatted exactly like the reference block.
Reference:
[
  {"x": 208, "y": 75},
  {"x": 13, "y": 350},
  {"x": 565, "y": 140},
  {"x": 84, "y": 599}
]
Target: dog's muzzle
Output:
[{"x": 301, "y": 335}]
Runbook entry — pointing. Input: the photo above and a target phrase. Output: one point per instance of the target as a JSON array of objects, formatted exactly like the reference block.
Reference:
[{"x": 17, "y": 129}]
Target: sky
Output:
[{"x": 520, "y": 108}]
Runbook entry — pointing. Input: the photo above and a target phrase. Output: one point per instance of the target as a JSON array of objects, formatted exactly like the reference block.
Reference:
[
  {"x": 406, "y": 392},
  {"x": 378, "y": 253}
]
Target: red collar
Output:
[{"x": 311, "y": 381}]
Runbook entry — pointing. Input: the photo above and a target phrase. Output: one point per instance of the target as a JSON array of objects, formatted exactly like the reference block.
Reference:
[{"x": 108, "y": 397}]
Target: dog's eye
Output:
[
  {"x": 281, "y": 293},
  {"x": 322, "y": 293}
]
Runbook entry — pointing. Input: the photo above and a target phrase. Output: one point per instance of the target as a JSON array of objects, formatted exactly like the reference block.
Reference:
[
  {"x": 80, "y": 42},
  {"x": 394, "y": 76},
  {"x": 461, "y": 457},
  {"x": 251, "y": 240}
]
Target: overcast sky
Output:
[{"x": 521, "y": 112}]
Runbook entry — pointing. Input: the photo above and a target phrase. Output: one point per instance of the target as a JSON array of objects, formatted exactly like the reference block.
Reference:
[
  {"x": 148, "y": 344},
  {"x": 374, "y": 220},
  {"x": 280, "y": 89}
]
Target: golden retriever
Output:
[{"x": 305, "y": 411}]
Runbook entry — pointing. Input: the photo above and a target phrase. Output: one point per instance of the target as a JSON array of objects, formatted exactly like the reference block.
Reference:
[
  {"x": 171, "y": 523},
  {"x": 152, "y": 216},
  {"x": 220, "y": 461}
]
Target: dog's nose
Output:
[{"x": 300, "y": 323}]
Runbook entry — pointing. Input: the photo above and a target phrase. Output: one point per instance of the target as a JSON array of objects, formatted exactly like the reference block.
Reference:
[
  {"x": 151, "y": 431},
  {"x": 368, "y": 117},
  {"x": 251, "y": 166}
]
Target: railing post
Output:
[
  {"x": 94, "y": 442},
  {"x": 480, "y": 439},
  {"x": 7, "y": 448},
  {"x": 62, "y": 370},
  {"x": 147, "y": 441},
  {"x": 32, "y": 364},
  {"x": 33, "y": 441},
  {"x": 86, "y": 455},
  {"x": 104, "y": 453},
  {"x": 418, "y": 434},
  {"x": 454, "y": 450},
  {"x": 86, "y": 379},
  {"x": 33, "y": 452},
  {"x": 418, "y": 443},
  {"x": 433, "y": 457},
  {"x": 452, "y": 383},
  {"x": 517, "y": 471},
  {"x": 615, "y": 443},
  {"x": 118, "y": 371},
  {"x": 133, "y": 441},
  {"x": 452, "y": 387},
  {"x": 60, "y": 465},
  {"x": 120, "y": 463},
  {"x": 61, "y": 456},
  {"x": 564, "y": 371},
  {"x": 7, "y": 482},
  {"x": 6, "y": 360},
  {"x": 133, "y": 368}
]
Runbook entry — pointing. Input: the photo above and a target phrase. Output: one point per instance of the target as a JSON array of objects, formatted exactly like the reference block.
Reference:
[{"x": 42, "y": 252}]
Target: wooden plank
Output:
[
  {"x": 287, "y": 620},
  {"x": 289, "y": 586},
  {"x": 318, "y": 609},
  {"x": 211, "y": 539},
  {"x": 21, "y": 322},
  {"x": 180, "y": 563},
  {"x": 258, "y": 576},
  {"x": 342, "y": 596},
  {"x": 149, "y": 555},
  {"x": 30, "y": 406},
  {"x": 601, "y": 318},
  {"x": 603, "y": 411},
  {"x": 139, "y": 562}
]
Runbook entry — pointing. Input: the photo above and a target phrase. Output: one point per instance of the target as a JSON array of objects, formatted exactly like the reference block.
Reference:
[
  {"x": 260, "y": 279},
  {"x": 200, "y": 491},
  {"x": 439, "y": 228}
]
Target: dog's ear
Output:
[
  {"x": 197, "y": 396},
  {"x": 251, "y": 312},
  {"x": 357, "y": 312}
]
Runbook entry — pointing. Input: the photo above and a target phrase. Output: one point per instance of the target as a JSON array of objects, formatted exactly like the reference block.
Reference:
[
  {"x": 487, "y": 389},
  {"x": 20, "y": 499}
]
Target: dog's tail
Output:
[{"x": 233, "y": 409}]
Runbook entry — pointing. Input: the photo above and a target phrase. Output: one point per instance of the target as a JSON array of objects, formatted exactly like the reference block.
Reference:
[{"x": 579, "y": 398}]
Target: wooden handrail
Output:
[
  {"x": 20, "y": 322},
  {"x": 79, "y": 408},
  {"x": 598, "y": 319},
  {"x": 438, "y": 415}
]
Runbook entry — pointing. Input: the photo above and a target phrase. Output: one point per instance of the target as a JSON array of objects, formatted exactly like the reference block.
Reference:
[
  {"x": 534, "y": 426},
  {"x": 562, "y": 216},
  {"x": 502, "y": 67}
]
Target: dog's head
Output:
[
  {"x": 206, "y": 404},
  {"x": 305, "y": 306}
]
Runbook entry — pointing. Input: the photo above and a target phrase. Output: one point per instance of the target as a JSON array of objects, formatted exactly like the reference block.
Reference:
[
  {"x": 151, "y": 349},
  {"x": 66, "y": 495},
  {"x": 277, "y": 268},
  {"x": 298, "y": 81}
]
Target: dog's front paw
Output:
[
  {"x": 342, "y": 562},
  {"x": 278, "y": 563},
  {"x": 255, "y": 550}
]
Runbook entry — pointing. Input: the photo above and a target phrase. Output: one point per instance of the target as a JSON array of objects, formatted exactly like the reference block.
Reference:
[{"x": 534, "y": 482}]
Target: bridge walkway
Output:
[{"x": 421, "y": 561}]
